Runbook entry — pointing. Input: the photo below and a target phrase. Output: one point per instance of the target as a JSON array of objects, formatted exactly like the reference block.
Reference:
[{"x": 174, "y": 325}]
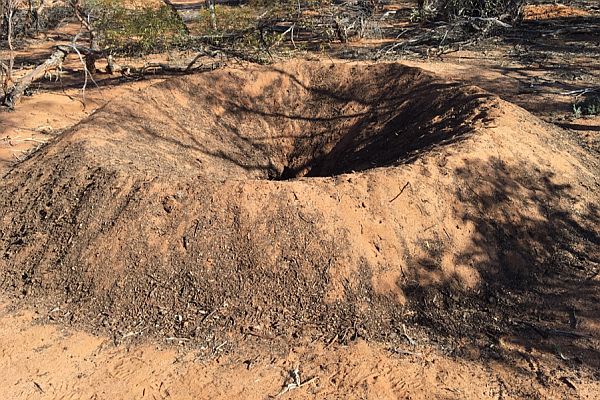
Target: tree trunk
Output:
[
  {"x": 90, "y": 59},
  {"x": 213, "y": 15},
  {"x": 10, "y": 12}
]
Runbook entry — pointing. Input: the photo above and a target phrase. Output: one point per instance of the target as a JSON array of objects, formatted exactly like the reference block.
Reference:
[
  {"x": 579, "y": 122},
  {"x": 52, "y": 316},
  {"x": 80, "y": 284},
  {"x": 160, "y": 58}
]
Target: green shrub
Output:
[
  {"x": 588, "y": 106},
  {"x": 229, "y": 19},
  {"x": 136, "y": 29}
]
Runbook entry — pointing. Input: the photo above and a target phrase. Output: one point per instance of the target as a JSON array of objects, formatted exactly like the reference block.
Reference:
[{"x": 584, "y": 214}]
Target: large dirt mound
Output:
[{"x": 297, "y": 199}]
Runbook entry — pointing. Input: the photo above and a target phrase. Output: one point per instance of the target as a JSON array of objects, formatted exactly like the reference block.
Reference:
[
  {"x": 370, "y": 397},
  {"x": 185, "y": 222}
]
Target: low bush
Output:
[
  {"x": 590, "y": 105},
  {"x": 136, "y": 29},
  {"x": 451, "y": 9}
]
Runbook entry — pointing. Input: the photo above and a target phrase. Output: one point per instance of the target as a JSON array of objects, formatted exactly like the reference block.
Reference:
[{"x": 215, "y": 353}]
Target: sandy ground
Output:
[
  {"x": 47, "y": 360},
  {"x": 43, "y": 360},
  {"x": 40, "y": 117}
]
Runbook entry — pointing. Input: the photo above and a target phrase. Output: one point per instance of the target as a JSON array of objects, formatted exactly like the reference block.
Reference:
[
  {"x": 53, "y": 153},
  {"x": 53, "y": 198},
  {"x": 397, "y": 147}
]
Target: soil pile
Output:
[{"x": 303, "y": 199}]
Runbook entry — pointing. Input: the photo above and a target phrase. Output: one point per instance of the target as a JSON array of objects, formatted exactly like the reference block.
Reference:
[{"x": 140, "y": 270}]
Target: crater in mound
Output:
[
  {"x": 168, "y": 185},
  {"x": 161, "y": 212},
  {"x": 306, "y": 119}
]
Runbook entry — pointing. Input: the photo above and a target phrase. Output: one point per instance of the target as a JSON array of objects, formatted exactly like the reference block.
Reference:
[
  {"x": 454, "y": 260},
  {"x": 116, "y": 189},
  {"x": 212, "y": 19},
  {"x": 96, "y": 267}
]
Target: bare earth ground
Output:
[
  {"x": 49, "y": 361},
  {"x": 550, "y": 359}
]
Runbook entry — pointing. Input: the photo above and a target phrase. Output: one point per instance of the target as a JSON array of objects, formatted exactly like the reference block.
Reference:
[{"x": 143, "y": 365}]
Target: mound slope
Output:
[{"x": 306, "y": 198}]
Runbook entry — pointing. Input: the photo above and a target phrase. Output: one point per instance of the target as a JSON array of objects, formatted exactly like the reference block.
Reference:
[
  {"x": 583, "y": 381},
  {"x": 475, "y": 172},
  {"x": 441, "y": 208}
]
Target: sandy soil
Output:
[
  {"x": 551, "y": 11},
  {"x": 57, "y": 102},
  {"x": 482, "y": 254},
  {"x": 499, "y": 173},
  {"x": 49, "y": 361},
  {"x": 44, "y": 115}
]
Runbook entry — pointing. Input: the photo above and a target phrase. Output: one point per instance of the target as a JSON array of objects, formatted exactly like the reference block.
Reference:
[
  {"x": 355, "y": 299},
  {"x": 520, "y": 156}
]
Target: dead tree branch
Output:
[
  {"x": 14, "y": 95},
  {"x": 161, "y": 68},
  {"x": 54, "y": 62}
]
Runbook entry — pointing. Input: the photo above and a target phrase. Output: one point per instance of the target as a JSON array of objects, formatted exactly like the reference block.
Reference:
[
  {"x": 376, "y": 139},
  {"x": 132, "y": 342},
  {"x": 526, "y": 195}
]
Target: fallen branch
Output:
[
  {"x": 19, "y": 140},
  {"x": 492, "y": 21},
  {"x": 57, "y": 58},
  {"x": 547, "y": 332},
  {"x": 404, "y": 352},
  {"x": 160, "y": 68},
  {"x": 14, "y": 95},
  {"x": 55, "y": 61},
  {"x": 580, "y": 92},
  {"x": 296, "y": 383},
  {"x": 411, "y": 341}
]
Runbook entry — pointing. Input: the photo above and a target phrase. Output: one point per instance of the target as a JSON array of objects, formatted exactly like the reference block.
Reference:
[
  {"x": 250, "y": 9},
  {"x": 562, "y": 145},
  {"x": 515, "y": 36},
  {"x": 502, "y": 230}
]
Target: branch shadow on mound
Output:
[
  {"x": 396, "y": 124},
  {"x": 382, "y": 117},
  {"x": 538, "y": 268}
]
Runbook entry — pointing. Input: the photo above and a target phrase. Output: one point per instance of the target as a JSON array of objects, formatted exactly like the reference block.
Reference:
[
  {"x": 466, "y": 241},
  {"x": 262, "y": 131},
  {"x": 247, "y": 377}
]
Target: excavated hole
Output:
[
  {"x": 326, "y": 120},
  {"x": 280, "y": 123}
]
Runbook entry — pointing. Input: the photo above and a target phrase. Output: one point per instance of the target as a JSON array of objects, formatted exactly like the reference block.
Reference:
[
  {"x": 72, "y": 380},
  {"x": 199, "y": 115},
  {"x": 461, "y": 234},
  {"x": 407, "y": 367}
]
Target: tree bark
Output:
[
  {"x": 90, "y": 59},
  {"x": 9, "y": 12}
]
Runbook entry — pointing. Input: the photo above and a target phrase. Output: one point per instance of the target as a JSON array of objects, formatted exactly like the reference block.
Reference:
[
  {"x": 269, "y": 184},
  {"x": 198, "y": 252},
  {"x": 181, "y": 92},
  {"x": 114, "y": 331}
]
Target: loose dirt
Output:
[
  {"x": 48, "y": 361},
  {"x": 537, "y": 12},
  {"x": 44, "y": 115},
  {"x": 316, "y": 204}
]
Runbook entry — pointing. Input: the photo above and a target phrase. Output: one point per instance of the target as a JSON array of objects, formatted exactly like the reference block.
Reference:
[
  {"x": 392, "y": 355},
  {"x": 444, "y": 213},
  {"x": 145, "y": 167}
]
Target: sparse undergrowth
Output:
[
  {"x": 136, "y": 29},
  {"x": 448, "y": 10},
  {"x": 588, "y": 106},
  {"x": 229, "y": 19}
]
